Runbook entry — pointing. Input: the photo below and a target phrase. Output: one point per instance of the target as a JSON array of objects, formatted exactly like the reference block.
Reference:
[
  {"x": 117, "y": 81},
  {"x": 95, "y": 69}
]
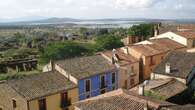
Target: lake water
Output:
[{"x": 107, "y": 24}]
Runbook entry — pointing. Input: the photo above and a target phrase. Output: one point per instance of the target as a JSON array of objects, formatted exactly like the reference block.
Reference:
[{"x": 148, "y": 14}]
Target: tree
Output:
[
  {"x": 68, "y": 49},
  {"x": 145, "y": 30},
  {"x": 108, "y": 42}
]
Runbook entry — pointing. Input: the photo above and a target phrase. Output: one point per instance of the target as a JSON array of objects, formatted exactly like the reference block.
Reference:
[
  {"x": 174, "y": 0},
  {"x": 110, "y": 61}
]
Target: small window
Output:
[
  {"x": 14, "y": 103},
  {"x": 65, "y": 102},
  {"x": 64, "y": 96},
  {"x": 102, "y": 82},
  {"x": 132, "y": 82},
  {"x": 113, "y": 78},
  {"x": 152, "y": 60},
  {"x": 87, "y": 85},
  {"x": 42, "y": 104},
  {"x": 132, "y": 68}
]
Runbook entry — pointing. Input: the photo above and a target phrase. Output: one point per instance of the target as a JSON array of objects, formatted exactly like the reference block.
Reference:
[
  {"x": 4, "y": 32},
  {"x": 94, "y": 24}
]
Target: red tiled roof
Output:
[
  {"x": 124, "y": 59},
  {"x": 188, "y": 35},
  {"x": 157, "y": 46},
  {"x": 165, "y": 42},
  {"x": 122, "y": 101},
  {"x": 149, "y": 49}
]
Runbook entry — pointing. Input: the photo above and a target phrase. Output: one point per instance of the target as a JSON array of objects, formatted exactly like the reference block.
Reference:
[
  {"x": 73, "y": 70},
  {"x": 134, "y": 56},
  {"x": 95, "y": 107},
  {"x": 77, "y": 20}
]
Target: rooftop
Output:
[
  {"x": 164, "y": 88},
  {"x": 169, "y": 89},
  {"x": 181, "y": 64},
  {"x": 124, "y": 59},
  {"x": 165, "y": 42},
  {"x": 40, "y": 85},
  {"x": 149, "y": 49},
  {"x": 120, "y": 100},
  {"x": 83, "y": 67},
  {"x": 188, "y": 35},
  {"x": 156, "y": 46}
]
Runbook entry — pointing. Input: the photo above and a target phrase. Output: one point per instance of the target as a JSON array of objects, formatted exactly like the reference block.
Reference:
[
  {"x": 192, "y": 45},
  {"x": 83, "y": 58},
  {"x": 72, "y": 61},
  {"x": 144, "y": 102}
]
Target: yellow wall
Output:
[
  {"x": 147, "y": 69},
  {"x": 124, "y": 75},
  {"x": 53, "y": 102}
]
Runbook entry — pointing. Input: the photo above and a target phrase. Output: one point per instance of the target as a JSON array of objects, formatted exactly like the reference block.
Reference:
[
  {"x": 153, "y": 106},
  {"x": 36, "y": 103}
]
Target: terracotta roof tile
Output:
[
  {"x": 83, "y": 67},
  {"x": 120, "y": 101},
  {"x": 181, "y": 64},
  {"x": 188, "y": 35},
  {"x": 40, "y": 85},
  {"x": 124, "y": 59}
]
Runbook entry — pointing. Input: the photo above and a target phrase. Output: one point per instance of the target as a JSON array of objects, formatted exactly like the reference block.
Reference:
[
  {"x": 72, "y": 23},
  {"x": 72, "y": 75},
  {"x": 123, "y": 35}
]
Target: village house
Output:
[
  {"x": 150, "y": 53},
  {"x": 177, "y": 64},
  {"x": 43, "y": 91},
  {"x": 121, "y": 100},
  {"x": 94, "y": 75},
  {"x": 132, "y": 39},
  {"x": 182, "y": 37},
  {"x": 163, "y": 28},
  {"x": 128, "y": 67}
]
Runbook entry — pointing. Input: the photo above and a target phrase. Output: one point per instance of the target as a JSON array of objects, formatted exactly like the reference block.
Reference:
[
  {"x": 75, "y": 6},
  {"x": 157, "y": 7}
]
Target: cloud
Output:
[
  {"x": 135, "y": 3},
  {"x": 98, "y": 8}
]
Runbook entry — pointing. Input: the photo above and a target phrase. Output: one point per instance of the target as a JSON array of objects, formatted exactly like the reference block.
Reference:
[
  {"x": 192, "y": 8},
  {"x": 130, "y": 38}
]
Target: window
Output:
[
  {"x": 102, "y": 82},
  {"x": 64, "y": 96},
  {"x": 65, "y": 102},
  {"x": 152, "y": 60},
  {"x": 133, "y": 39},
  {"x": 193, "y": 44},
  {"x": 132, "y": 69},
  {"x": 87, "y": 85},
  {"x": 14, "y": 103},
  {"x": 132, "y": 82},
  {"x": 42, "y": 104},
  {"x": 113, "y": 78}
]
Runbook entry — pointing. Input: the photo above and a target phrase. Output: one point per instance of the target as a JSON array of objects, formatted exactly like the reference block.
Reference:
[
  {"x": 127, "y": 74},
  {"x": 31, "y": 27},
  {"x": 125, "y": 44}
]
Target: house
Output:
[
  {"x": 176, "y": 65},
  {"x": 151, "y": 52},
  {"x": 121, "y": 100},
  {"x": 183, "y": 37},
  {"x": 163, "y": 89},
  {"x": 163, "y": 28},
  {"x": 44, "y": 91},
  {"x": 94, "y": 75},
  {"x": 128, "y": 67},
  {"x": 132, "y": 39}
]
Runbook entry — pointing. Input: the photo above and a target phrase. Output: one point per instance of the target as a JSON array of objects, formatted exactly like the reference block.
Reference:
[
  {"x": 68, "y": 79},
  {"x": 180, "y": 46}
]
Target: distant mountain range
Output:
[{"x": 38, "y": 20}]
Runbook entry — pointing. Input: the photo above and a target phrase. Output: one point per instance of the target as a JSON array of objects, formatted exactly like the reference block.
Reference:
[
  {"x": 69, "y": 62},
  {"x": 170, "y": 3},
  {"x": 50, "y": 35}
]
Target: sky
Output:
[{"x": 95, "y": 9}]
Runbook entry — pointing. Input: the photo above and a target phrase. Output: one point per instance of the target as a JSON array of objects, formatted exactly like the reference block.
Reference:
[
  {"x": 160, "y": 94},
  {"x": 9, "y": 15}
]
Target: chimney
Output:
[
  {"x": 126, "y": 50},
  {"x": 141, "y": 90},
  {"x": 167, "y": 68},
  {"x": 114, "y": 55}
]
